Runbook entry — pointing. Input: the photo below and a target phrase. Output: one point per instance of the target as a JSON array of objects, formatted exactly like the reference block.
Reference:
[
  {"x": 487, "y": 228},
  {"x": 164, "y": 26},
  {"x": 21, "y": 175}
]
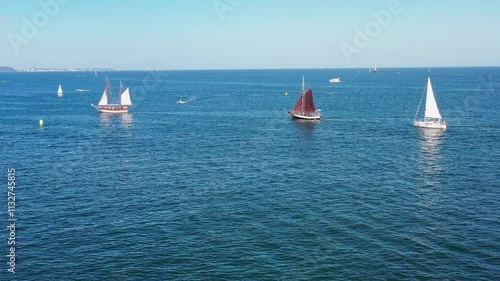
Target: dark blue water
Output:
[{"x": 228, "y": 187}]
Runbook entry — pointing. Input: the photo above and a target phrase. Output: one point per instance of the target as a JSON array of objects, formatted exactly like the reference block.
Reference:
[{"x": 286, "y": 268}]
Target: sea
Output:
[{"x": 228, "y": 187}]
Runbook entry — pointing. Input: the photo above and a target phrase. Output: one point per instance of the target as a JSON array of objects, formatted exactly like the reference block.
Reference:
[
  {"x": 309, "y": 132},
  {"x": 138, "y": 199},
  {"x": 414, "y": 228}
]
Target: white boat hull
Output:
[
  {"x": 111, "y": 108},
  {"x": 430, "y": 124},
  {"x": 301, "y": 116}
]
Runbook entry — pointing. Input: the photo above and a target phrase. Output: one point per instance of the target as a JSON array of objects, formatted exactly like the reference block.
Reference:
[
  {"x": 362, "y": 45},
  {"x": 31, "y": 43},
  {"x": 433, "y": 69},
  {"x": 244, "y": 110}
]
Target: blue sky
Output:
[{"x": 221, "y": 34}]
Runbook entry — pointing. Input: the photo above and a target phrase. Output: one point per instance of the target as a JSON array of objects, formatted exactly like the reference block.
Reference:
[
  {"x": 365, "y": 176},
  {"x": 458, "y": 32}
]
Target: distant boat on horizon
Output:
[
  {"x": 305, "y": 108},
  {"x": 373, "y": 69},
  {"x": 432, "y": 117},
  {"x": 335, "y": 80},
  {"x": 122, "y": 107},
  {"x": 60, "y": 91}
]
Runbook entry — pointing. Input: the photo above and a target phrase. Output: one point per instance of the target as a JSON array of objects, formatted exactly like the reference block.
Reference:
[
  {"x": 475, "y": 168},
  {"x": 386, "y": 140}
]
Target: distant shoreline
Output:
[
  {"x": 7, "y": 69},
  {"x": 31, "y": 70}
]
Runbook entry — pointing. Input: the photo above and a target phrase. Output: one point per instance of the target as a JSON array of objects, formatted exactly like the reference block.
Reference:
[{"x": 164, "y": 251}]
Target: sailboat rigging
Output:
[
  {"x": 432, "y": 117},
  {"x": 121, "y": 107},
  {"x": 305, "y": 108}
]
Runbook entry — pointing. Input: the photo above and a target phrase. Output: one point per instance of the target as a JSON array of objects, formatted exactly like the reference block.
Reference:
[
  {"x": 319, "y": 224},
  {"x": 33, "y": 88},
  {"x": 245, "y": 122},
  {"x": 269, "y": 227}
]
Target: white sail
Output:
[
  {"x": 59, "y": 91},
  {"x": 125, "y": 98},
  {"x": 104, "y": 98},
  {"x": 431, "y": 108}
]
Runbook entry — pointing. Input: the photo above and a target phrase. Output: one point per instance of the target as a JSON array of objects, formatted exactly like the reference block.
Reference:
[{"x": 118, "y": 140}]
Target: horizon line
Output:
[{"x": 85, "y": 69}]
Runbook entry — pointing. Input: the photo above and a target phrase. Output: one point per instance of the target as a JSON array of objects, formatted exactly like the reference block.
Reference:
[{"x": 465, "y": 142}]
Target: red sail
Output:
[
  {"x": 298, "y": 106},
  {"x": 308, "y": 102}
]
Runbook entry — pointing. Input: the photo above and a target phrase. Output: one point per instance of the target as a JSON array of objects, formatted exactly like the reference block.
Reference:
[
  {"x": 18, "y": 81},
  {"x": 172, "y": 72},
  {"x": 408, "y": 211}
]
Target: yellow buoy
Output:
[{"x": 41, "y": 122}]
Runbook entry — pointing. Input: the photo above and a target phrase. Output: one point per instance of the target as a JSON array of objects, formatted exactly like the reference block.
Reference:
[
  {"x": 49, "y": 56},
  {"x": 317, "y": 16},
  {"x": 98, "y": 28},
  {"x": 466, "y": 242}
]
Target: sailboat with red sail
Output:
[
  {"x": 105, "y": 107},
  {"x": 305, "y": 108}
]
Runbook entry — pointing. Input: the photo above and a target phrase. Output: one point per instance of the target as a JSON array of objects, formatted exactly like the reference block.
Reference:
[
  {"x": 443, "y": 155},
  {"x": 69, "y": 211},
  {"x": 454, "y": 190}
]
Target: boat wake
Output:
[{"x": 82, "y": 90}]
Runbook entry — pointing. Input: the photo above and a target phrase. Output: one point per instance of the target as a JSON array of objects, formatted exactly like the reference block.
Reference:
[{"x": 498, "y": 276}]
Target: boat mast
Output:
[
  {"x": 420, "y": 103},
  {"x": 107, "y": 89},
  {"x": 120, "y": 93},
  {"x": 303, "y": 88}
]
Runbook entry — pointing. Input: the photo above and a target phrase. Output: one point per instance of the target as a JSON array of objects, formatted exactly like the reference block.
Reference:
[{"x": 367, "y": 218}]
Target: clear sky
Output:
[{"x": 221, "y": 34}]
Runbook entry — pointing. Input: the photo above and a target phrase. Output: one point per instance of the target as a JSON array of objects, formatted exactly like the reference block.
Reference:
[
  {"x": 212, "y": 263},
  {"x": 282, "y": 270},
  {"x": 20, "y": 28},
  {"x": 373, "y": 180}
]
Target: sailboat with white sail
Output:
[
  {"x": 305, "y": 108},
  {"x": 60, "y": 91},
  {"x": 122, "y": 107},
  {"x": 432, "y": 117}
]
